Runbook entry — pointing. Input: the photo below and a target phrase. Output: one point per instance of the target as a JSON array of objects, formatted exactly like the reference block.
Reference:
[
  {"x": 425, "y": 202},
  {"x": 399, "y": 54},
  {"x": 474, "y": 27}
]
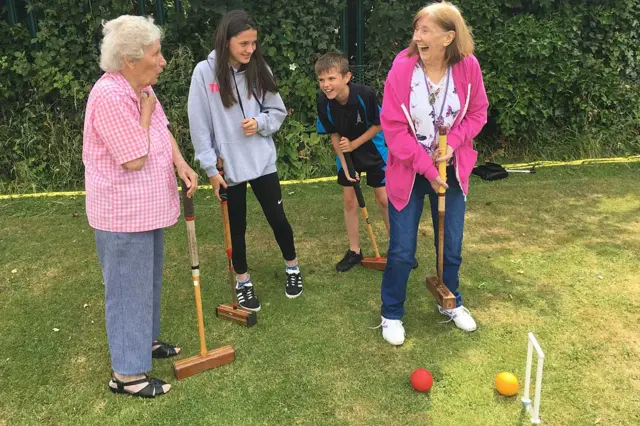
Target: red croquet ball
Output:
[{"x": 421, "y": 380}]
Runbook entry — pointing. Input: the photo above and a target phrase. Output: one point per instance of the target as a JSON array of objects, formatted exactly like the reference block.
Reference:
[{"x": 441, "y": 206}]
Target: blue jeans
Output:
[
  {"x": 132, "y": 272},
  {"x": 403, "y": 238}
]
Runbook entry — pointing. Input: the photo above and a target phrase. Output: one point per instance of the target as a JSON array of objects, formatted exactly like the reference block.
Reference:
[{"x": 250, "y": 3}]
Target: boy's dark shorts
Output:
[{"x": 375, "y": 177}]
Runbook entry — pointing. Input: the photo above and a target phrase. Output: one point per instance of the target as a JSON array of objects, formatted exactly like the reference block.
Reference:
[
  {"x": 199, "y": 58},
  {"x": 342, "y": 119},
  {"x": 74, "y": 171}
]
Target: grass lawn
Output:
[{"x": 555, "y": 253}]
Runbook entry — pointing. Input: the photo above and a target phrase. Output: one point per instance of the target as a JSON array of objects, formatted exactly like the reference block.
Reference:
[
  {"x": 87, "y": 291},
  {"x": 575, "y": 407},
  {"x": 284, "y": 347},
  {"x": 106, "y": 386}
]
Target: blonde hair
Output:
[
  {"x": 126, "y": 36},
  {"x": 448, "y": 17}
]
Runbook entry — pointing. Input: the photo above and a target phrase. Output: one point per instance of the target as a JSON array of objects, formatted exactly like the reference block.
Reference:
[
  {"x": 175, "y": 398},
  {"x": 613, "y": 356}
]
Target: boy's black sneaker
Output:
[
  {"x": 293, "y": 287},
  {"x": 349, "y": 260},
  {"x": 247, "y": 298}
]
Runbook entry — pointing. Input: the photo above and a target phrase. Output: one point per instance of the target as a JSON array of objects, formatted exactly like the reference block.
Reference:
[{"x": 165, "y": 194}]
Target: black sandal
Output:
[
  {"x": 153, "y": 388},
  {"x": 165, "y": 350}
]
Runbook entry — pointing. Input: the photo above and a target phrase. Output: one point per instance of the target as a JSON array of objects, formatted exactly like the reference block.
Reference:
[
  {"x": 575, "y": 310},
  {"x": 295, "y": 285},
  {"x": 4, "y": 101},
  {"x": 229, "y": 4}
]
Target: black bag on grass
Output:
[{"x": 490, "y": 171}]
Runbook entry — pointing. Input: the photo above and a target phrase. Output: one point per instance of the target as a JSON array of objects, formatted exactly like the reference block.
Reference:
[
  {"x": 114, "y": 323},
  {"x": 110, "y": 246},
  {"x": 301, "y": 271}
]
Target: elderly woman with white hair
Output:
[{"x": 129, "y": 157}]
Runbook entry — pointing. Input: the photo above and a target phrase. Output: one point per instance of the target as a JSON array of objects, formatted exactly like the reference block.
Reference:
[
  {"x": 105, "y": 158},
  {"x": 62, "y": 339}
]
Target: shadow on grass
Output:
[{"x": 524, "y": 417}]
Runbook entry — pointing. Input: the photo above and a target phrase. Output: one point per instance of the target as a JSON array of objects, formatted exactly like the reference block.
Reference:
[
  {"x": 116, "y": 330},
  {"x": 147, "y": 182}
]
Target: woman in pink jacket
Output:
[{"x": 435, "y": 82}]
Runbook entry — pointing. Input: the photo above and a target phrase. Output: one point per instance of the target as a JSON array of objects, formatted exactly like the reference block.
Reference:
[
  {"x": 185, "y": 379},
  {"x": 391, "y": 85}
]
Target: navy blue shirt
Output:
[{"x": 351, "y": 120}]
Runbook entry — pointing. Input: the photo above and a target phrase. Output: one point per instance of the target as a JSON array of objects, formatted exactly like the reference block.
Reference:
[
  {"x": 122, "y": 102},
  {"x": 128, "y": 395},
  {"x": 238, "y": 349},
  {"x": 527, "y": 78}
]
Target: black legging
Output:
[{"x": 269, "y": 195}]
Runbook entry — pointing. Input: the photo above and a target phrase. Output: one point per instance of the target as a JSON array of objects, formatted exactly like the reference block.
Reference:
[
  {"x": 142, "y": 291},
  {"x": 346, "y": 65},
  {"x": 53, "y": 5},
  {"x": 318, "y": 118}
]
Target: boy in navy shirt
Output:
[{"x": 350, "y": 113}]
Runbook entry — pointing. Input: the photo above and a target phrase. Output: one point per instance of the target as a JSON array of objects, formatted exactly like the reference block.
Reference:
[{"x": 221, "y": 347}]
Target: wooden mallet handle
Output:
[
  {"x": 363, "y": 207},
  {"x": 189, "y": 217},
  {"x": 225, "y": 211},
  {"x": 442, "y": 166},
  {"x": 226, "y": 227},
  {"x": 442, "y": 170}
]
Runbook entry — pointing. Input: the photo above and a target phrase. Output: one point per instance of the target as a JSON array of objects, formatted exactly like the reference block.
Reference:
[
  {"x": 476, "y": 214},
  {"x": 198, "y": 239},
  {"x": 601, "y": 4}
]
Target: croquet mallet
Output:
[
  {"x": 231, "y": 312},
  {"x": 435, "y": 285},
  {"x": 376, "y": 262},
  {"x": 206, "y": 359}
]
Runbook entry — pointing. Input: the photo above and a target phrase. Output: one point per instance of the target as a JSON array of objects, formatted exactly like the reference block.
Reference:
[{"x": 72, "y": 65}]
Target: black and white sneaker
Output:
[
  {"x": 246, "y": 297},
  {"x": 293, "y": 287},
  {"x": 350, "y": 259}
]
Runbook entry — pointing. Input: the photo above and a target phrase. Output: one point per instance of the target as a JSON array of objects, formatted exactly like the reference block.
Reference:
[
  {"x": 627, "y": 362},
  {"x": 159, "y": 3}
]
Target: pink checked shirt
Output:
[{"x": 118, "y": 199}]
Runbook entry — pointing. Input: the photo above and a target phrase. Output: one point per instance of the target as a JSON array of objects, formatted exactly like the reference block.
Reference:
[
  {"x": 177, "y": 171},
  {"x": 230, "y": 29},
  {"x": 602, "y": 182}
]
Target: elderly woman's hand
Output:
[
  {"x": 437, "y": 183},
  {"x": 437, "y": 158},
  {"x": 189, "y": 177},
  {"x": 147, "y": 105}
]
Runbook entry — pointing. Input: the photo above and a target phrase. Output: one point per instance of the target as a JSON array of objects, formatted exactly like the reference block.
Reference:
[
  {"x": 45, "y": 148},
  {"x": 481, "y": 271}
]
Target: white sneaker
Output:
[
  {"x": 392, "y": 331},
  {"x": 460, "y": 316}
]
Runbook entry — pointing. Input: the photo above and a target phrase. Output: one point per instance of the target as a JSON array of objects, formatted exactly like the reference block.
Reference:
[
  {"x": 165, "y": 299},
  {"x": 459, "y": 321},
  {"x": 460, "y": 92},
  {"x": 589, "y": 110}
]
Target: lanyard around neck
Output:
[{"x": 437, "y": 120}]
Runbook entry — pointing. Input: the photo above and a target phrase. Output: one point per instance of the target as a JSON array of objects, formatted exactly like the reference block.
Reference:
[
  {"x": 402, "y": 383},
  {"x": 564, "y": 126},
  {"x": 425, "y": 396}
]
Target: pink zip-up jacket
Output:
[{"x": 406, "y": 155}]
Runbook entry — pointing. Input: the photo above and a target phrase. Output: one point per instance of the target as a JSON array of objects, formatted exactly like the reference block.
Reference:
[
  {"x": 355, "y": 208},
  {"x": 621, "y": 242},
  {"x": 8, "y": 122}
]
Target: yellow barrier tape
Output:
[
  {"x": 43, "y": 194},
  {"x": 588, "y": 161}
]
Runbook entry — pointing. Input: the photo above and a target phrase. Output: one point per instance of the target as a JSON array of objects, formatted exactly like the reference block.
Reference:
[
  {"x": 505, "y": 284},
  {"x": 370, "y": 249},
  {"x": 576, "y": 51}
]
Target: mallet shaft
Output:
[
  {"x": 365, "y": 215},
  {"x": 189, "y": 216},
  {"x": 227, "y": 245},
  {"x": 442, "y": 170},
  {"x": 363, "y": 208},
  {"x": 224, "y": 207}
]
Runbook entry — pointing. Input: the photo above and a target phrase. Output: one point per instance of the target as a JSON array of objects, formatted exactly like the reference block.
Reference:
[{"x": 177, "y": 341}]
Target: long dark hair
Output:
[{"x": 257, "y": 72}]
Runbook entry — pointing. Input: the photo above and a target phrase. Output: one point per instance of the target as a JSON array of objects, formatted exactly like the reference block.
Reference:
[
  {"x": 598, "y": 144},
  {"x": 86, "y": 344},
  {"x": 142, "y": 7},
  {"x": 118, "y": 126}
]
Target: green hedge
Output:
[{"x": 561, "y": 76}]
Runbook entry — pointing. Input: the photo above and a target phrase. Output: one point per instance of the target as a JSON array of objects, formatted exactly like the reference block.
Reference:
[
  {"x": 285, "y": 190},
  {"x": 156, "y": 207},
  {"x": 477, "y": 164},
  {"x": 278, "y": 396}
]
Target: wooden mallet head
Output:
[
  {"x": 231, "y": 312},
  {"x": 199, "y": 363},
  {"x": 206, "y": 359},
  {"x": 436, "y": 287},
  {"x": 375, "y": 262},
  {"x": 237, "y": 315}
]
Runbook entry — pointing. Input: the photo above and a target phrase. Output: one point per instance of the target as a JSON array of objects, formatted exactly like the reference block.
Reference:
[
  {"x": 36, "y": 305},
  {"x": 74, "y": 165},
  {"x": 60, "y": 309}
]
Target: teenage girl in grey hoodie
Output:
[{"x": 234, "y": 109}]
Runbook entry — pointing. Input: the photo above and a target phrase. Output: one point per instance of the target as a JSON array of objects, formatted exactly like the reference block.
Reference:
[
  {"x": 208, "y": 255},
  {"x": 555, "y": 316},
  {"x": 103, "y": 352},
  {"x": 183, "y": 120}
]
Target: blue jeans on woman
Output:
[
  {"x": 132, "y": 265},
  {"x": 403, "y": 239}
]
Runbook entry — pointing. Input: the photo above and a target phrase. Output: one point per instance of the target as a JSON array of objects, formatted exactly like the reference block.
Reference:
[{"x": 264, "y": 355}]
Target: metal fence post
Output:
[
  {"x": 11, "y": 11},
  {"x": 32, "y": 23},
  {"x": 160, "y": 12},
  {"x": 142, "y": 8},
  {"x": 344, "y": 29},
  {"x": 359, "y": 33}
]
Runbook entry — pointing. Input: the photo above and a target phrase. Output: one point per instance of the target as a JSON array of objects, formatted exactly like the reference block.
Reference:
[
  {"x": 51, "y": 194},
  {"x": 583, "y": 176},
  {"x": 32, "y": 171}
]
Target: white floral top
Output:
[{"x": 431, "y": 106}]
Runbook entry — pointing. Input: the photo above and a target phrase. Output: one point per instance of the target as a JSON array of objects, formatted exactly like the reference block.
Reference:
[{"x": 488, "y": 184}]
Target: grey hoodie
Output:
[{"x": 216, "y": 131}]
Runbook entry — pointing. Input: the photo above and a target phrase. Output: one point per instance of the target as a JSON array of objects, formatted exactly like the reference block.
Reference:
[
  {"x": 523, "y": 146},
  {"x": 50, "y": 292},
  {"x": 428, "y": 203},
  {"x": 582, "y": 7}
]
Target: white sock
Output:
[
  {"x": 247, "y": 282},
  {"x": 295, "y": 269}
]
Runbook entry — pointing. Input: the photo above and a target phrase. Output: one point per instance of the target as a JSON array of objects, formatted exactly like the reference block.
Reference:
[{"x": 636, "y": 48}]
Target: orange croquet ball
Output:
[
  {"x": 421, "y": 380},
  {"x": 506, "y": 384}
]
